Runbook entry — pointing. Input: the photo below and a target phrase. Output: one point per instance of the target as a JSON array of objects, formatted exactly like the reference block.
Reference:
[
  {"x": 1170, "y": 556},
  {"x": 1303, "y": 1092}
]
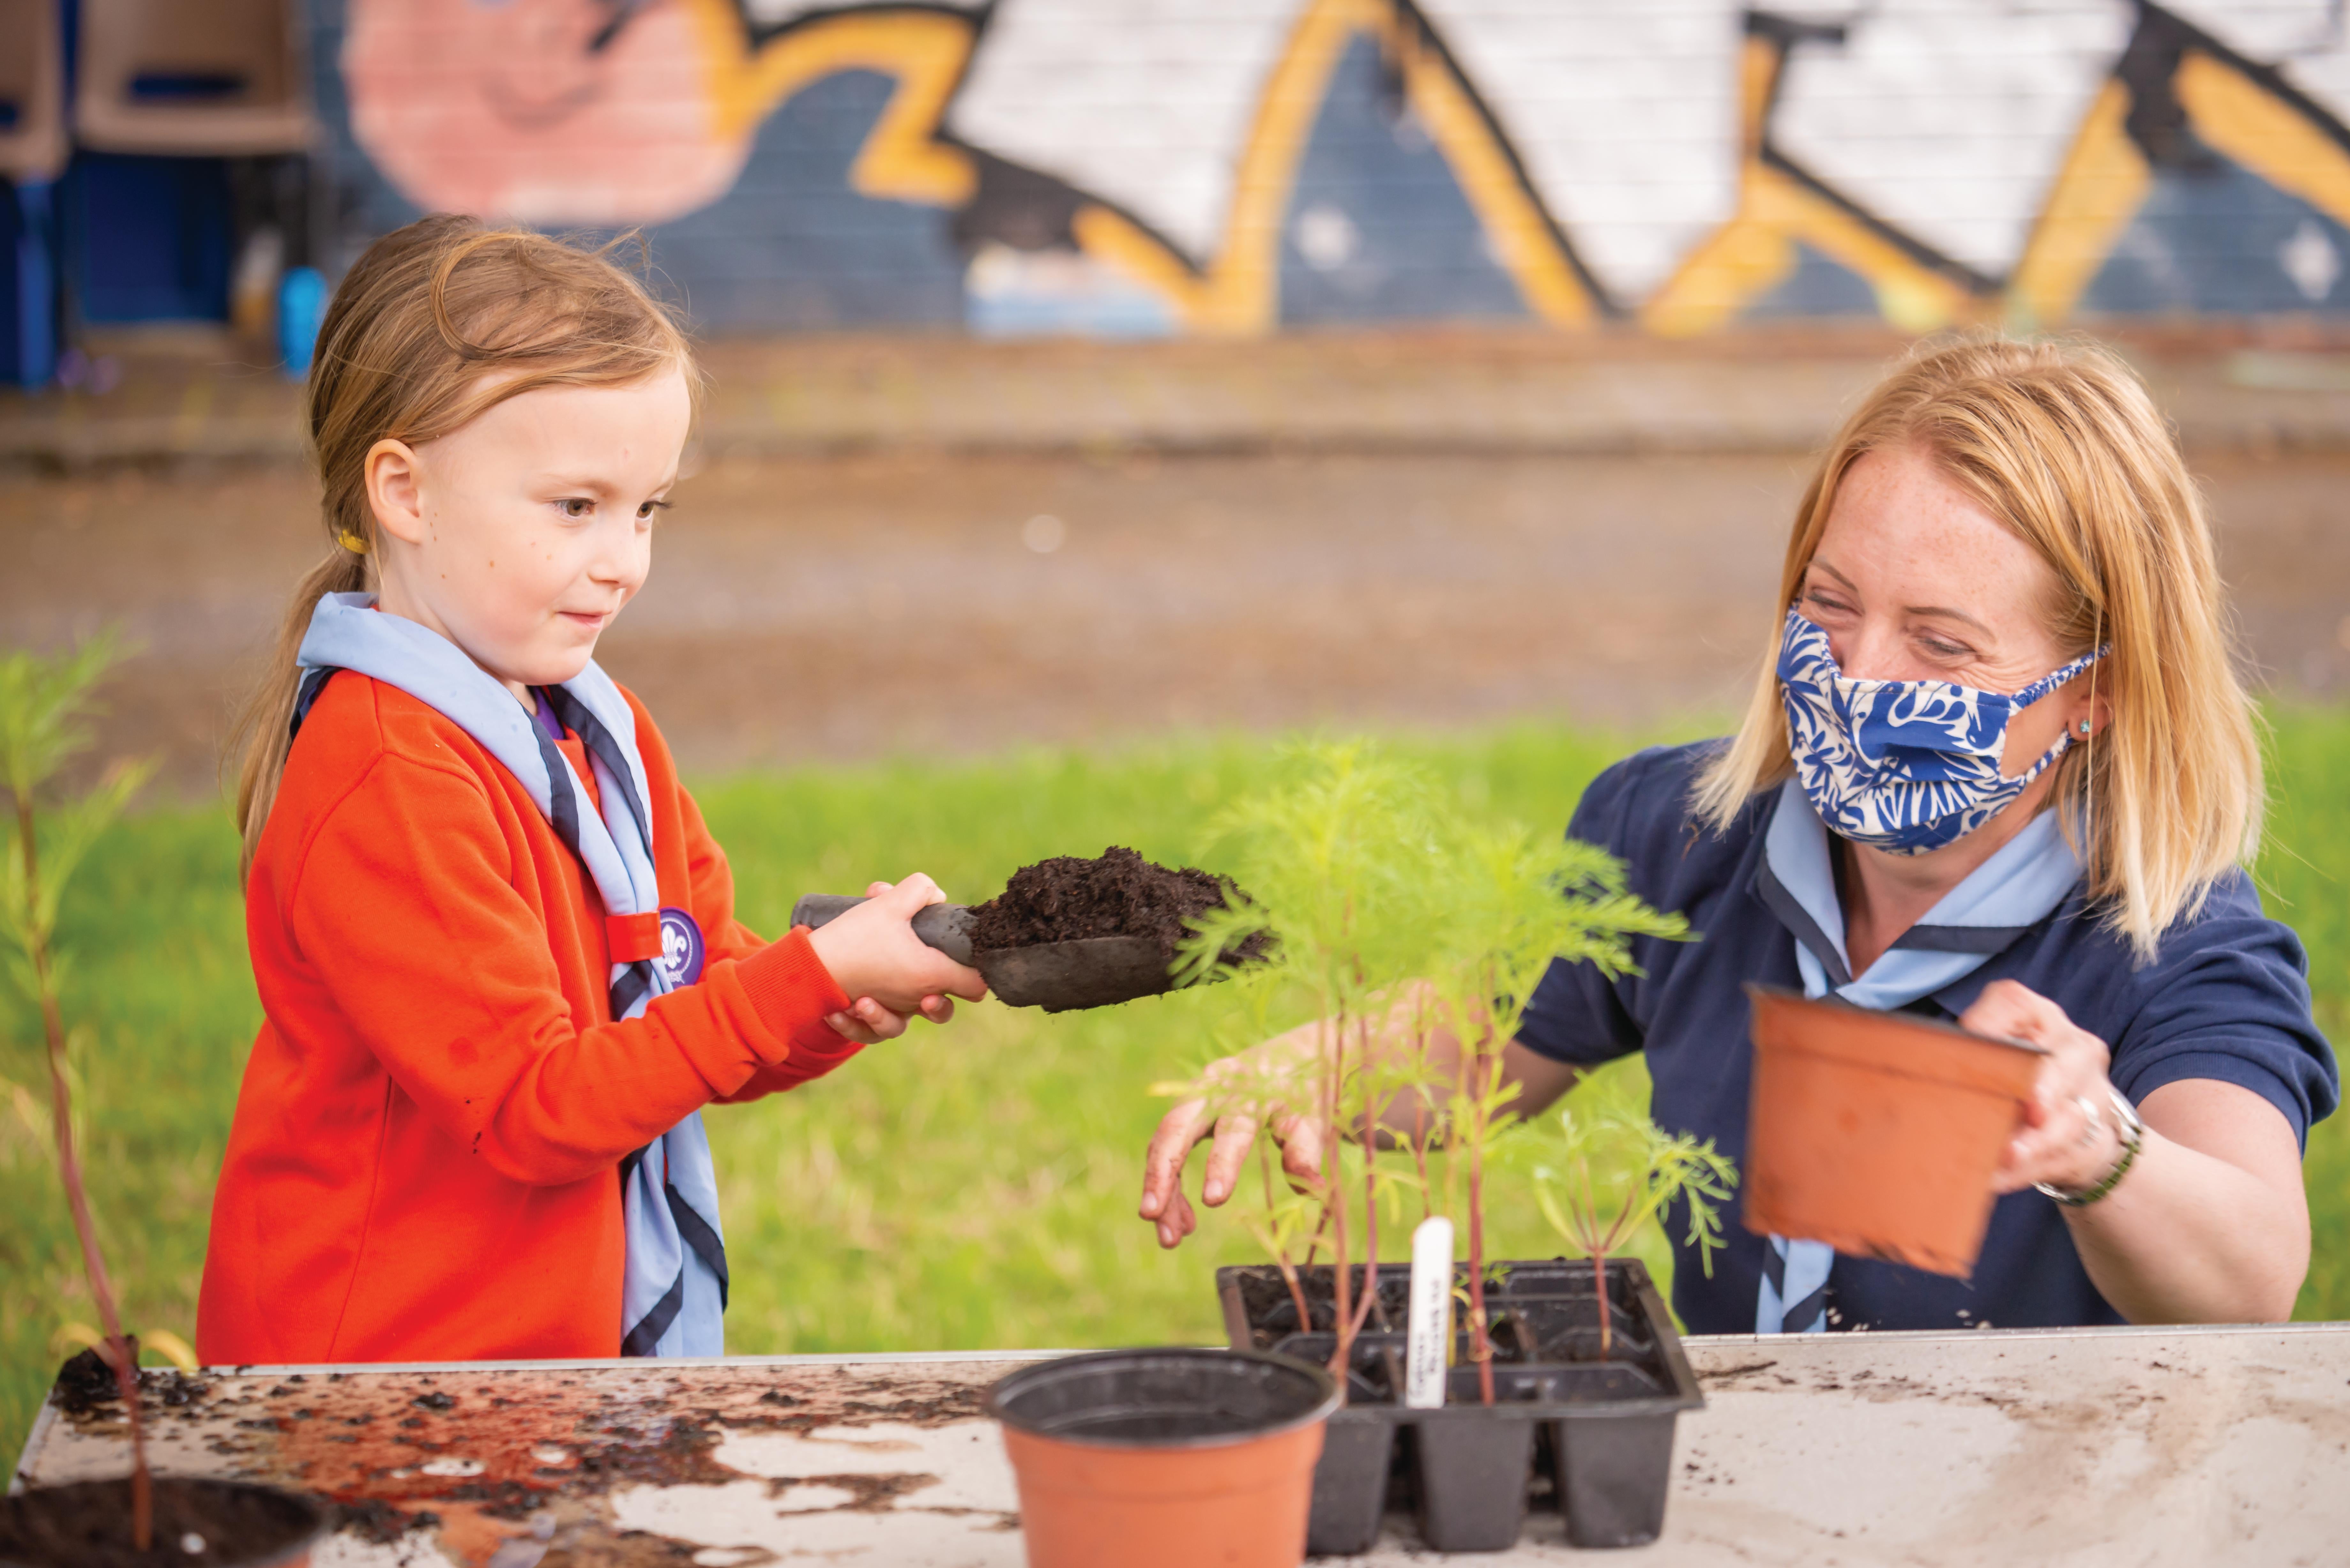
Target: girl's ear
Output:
[{"x": 394, "y": 492}]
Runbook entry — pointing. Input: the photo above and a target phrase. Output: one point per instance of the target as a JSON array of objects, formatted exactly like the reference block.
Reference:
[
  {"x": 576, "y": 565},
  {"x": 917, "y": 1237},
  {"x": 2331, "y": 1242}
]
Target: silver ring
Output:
[{"x": 2093, "y": 1119}]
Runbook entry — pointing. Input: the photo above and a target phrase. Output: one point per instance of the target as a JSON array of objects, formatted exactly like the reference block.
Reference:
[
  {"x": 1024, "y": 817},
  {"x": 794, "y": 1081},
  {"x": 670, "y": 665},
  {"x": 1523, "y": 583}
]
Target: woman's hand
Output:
[
  {"x": 2071, "y": 1137},
  {"x": 1223, "y": 1115},
  {"x": 2212, "y": 1224},
  {"x": 873, "y": 954}
]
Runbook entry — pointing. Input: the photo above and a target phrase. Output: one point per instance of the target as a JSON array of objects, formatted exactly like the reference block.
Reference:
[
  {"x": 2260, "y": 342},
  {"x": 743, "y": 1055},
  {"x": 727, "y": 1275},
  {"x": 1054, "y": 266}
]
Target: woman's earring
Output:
[{"x": 2085, "y": 726}]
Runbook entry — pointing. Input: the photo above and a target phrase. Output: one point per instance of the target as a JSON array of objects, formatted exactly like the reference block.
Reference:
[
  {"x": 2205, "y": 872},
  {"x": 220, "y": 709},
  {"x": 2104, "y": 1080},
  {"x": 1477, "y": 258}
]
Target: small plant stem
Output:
[
  {"x": 1297, "y": 1285},
  {"x": 1371, "y": 1247},
  {"x": 126, "y": 1371},
  {"x": 1335, "y": 1184},
  {"x": 1370, "y": 1301},
  {"x": 1599, "y": 1282},
  {"x": 1482, "y": 1347},
  {"x": 1419, "y": 1151},
  {"x": 1314, "y": 1243},
  {"x": 1280, "y": 1249},
  {"x": 1597, "y": 1245}
]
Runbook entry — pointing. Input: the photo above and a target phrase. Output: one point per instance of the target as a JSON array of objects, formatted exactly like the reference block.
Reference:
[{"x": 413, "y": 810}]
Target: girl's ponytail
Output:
[
  {"x": 434, "y": 324},
  {"x": 264, "y": 730}
]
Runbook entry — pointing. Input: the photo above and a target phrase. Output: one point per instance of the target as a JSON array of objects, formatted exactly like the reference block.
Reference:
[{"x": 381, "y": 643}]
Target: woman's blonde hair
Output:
[
  {"x": 434, "y": 324},
  {"x": 2060, "y": 442}
]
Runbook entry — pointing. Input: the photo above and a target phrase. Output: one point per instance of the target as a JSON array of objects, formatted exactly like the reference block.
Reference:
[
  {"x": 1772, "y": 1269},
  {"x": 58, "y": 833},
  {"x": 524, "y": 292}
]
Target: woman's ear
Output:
[
  {"x": 2088, "y": 715},
  {"x": 394, "y": 492}
]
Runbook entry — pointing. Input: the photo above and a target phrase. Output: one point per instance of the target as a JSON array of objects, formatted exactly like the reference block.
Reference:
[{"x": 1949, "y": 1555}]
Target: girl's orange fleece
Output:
[{"x": 424, "y": 1165}]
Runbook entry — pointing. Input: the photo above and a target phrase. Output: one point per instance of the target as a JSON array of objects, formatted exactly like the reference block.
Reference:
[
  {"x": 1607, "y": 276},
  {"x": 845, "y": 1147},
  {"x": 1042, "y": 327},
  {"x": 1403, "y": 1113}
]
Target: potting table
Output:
[{"x": 2138, "y": 1445}]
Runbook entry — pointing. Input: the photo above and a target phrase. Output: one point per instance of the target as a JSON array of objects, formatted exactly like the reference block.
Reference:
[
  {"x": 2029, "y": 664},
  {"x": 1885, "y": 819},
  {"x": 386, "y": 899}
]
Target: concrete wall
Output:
[{"x": 1232, "y": 166}]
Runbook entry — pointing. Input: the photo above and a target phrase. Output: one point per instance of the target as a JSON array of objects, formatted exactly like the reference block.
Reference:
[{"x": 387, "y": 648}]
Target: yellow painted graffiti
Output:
[
  {"x": 925, "y": 50},
  {"x": 2103, "y": 183},
  {"x": 1756, "y": 251},
  {"x": 1514, "y": 219},
  {"x": 1758, "y": 248},
  {"x": 1239, "y": 290},
  {"x": 2273, "y": 139},
  {"x": 2100, "y": 188}
]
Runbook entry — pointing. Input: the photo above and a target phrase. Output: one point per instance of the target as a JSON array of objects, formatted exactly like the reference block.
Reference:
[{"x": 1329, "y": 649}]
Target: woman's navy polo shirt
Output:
[{"x": 2227, "y": 997}]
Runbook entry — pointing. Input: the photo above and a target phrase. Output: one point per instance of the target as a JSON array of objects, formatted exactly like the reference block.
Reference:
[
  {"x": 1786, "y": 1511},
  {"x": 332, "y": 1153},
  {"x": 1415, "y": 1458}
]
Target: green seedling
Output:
[
  {"x": 1643, "y": 1170},
  {"x": 44, "y": 707},
  {"x": 1414, "y": 935}
]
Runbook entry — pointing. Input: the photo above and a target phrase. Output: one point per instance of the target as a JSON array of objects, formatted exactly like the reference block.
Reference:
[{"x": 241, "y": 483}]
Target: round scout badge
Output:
[{"x": 680, "y": 954}]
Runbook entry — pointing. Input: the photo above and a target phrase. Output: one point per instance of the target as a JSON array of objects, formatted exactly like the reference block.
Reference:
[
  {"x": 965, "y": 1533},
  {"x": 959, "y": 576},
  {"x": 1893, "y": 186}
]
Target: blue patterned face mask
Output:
[{"x": 1904, "y": 765}]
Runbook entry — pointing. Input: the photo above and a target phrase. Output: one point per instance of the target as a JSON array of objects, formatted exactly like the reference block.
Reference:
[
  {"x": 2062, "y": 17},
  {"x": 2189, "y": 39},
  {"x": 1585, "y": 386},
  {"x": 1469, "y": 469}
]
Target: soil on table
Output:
[
  {"x": 89, "y": 1525},
  {"x": 1120, "y": 894}
]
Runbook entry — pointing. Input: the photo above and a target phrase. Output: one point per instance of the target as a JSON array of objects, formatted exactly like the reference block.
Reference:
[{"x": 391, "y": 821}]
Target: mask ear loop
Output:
[{"x": 2089, "y": 768}]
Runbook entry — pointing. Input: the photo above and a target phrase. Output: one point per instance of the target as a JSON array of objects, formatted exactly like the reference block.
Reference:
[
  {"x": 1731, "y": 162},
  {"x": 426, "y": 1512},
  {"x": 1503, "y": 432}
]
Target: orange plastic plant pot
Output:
[
  {"x": 1879, "y": 1132},
  {"x": 1165, "y": 1458},
  {"x": 1239, "y": 1506}
]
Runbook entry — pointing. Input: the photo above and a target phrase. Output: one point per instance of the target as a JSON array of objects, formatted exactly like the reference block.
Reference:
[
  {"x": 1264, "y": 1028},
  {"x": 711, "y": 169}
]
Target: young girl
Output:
[{"x": 495, "y": 946}]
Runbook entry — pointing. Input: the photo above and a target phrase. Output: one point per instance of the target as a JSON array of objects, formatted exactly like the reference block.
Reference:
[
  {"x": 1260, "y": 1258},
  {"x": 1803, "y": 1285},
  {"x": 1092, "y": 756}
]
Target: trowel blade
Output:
[
  {"x": 1058, "y": 977},
  {"x": 1061, "y": 977}
]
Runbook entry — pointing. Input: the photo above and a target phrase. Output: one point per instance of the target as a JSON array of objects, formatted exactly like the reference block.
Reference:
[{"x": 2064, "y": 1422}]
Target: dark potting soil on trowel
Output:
[{"x": 1066, "y": 900}]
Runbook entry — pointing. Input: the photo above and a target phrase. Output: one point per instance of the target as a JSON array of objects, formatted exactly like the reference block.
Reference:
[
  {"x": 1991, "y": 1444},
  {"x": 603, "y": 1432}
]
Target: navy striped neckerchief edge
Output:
[{"x": 677, "y": 1252}]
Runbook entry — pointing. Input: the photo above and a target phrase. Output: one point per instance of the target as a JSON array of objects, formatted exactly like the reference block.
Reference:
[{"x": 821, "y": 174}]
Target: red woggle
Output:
[{"x": 633, "y": 937}]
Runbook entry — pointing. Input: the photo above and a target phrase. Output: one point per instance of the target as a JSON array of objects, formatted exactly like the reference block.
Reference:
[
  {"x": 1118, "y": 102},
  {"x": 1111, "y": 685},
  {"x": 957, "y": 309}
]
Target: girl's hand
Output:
[
  {"x": 869, "y": 1023},
  {"x": 873, "y": 954},
  {"x": 1234, "y": 1130},
  {"x": 2070, "y": 1136}
]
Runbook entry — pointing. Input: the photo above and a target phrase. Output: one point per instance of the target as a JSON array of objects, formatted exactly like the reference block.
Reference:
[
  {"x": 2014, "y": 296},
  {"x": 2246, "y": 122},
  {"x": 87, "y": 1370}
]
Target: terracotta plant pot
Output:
[
  {"x": 1175, "y": 1457},
  {"x": 88, "y": 1525},
  {"x": 1878, "y": 1132}
]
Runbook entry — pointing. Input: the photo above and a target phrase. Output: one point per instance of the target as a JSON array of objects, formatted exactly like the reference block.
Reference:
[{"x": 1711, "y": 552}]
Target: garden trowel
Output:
[{"x": 1058, "y": 977}]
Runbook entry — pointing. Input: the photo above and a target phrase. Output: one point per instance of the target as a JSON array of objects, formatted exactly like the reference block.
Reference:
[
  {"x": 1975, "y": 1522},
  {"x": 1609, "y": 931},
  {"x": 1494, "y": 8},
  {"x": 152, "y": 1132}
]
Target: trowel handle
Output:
[{"x": 942, "y": 926}]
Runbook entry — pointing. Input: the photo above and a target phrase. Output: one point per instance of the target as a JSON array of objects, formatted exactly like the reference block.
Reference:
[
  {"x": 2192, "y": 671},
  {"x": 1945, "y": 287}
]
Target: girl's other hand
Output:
[{"x": 873, "y": 954}]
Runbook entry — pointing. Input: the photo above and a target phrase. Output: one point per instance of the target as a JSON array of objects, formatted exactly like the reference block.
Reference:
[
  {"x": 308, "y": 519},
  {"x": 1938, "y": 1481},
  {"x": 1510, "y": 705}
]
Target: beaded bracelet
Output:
[{"x": 2132, "y": 1138}]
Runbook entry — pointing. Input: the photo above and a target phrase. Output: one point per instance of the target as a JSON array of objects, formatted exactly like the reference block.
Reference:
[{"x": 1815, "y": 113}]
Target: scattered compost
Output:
[{"x": 1067, "y": 900}]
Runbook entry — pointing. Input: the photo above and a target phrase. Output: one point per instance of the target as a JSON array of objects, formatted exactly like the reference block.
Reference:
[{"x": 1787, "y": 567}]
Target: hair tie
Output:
[{"x": 352, "y": 542}]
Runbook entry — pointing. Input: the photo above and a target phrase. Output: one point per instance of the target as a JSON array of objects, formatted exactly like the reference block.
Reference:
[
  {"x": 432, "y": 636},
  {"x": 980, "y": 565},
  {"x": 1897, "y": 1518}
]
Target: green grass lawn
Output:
[{"x": 968, "y": 1186}]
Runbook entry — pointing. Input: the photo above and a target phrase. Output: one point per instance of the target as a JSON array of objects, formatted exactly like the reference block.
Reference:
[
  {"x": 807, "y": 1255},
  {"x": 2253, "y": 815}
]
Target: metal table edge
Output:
[{"x": 2103, "y": 1331}]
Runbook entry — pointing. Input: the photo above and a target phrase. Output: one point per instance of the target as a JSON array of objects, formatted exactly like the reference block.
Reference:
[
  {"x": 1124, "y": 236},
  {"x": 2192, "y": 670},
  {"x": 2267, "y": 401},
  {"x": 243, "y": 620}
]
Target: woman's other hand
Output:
[
  {"x": 873, "y": 954},
  {"x": 2071, "y": 1137},
  {"x": 1232, "y": 1116}
]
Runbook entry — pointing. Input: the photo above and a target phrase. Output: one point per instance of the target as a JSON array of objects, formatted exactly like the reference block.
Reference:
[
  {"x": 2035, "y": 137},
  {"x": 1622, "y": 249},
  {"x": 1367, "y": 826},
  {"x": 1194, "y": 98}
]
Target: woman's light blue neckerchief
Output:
[
  {"x": 2022, "y": 882},
  {"x": 673, "y": 1292},
  {"x": 1903, "y": 765}
]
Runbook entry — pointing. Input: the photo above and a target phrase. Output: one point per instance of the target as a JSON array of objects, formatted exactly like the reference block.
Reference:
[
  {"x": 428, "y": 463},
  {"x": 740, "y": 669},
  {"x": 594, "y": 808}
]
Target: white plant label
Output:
[{"x": 1431, "y": 1319}]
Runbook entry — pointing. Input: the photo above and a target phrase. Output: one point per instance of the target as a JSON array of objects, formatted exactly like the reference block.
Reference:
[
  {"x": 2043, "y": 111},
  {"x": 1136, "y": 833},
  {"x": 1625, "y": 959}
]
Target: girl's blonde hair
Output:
[
  {"x": 2060, "y": 442},
  {"x": 434, "y": 324}
]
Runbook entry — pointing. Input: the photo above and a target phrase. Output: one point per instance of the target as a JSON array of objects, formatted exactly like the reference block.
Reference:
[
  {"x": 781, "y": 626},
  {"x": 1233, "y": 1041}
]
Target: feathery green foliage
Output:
[
  {"x": 1646, "y": 1169},
  {"x": 1393, "y": 917},
  {"x": 44, "y": 704}
]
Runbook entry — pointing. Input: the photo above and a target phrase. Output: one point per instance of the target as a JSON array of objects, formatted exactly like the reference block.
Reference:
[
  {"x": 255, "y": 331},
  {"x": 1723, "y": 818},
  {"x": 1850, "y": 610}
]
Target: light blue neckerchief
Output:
[
  {"x": 673, "y": 1292},
  {"x": 2024, "y": 879}
]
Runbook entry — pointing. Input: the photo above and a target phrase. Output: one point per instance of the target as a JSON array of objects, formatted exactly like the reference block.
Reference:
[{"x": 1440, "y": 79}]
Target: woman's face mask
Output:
[{"x": 1903, "y": 765}]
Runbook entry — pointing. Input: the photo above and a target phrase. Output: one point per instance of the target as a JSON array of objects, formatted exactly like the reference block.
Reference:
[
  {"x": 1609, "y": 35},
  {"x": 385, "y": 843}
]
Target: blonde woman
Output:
[{"x": 1998, "y": 769}]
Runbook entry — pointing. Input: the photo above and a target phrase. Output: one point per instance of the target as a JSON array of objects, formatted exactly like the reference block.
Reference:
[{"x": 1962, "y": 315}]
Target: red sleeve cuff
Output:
[{"x": 792, "y": 994}]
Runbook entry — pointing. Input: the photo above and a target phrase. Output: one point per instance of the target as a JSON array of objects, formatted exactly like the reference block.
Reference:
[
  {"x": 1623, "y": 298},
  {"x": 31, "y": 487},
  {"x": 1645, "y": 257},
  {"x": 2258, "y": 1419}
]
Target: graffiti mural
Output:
[{"x": 1234, "y": 166}]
